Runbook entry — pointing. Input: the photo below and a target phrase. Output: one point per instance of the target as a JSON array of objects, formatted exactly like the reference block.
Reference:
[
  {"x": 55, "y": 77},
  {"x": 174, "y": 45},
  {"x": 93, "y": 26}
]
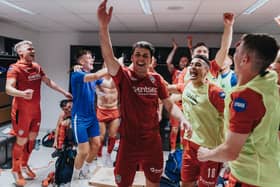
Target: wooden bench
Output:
[{"x": 104, "y": 177}]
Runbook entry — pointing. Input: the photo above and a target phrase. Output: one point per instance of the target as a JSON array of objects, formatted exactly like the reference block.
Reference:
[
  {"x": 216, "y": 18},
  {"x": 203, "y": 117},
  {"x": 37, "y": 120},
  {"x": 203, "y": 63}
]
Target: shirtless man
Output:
[{"x": 108, "y": 114}]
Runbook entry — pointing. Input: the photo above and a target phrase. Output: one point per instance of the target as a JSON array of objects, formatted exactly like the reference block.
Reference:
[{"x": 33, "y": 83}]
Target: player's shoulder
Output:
[{"x": 242, "y": 98}]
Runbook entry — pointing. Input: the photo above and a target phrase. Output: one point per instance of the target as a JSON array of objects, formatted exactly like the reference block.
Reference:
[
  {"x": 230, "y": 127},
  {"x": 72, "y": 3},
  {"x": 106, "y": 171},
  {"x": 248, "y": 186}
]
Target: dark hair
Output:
[
  {"x": 263, "y": 47},
  {"x": 145, "y": 45},
  {"x": 198, "y": 45},
  {"x": 82, "y": 53},
  {"x": 204, "y": 58},
  {"x": 64, "y": 102}
]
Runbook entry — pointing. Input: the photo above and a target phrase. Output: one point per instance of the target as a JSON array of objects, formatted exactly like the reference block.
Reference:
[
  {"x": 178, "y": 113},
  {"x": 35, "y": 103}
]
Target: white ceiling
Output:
[{"x": 195, "y": 16}]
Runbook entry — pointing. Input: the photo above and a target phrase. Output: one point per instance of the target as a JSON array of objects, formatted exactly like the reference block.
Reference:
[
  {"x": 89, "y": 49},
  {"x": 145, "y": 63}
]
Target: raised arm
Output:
[
  {"x": 189, "y": 43},
  {"x": 226, "y": 39},
  {"x": 170, "y": 57},
  {"x": 106, "y": 46}
]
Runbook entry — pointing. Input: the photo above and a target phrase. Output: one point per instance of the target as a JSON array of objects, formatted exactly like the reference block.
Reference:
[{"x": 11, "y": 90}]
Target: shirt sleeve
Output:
[
  {"x": 162, "y": 92},
  {"x": 118, "y": 77},
  {"x": 12, "y": 72},
  {"x": 243, "y": 114},
  {"x": 78, "y": 77},
  {"x": 42, "y": 72},
  {"x": 214, "y": 68},
  {"x": 216, "y": 97}
]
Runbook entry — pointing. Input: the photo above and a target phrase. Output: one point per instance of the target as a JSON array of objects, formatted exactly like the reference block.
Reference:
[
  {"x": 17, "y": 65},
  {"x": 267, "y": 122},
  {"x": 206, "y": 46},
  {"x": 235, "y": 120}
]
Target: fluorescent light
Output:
[
  {"x": 17, "y": 7},
  {"x": 146, "y": 7},
  {"x": 255, "y": 6}
]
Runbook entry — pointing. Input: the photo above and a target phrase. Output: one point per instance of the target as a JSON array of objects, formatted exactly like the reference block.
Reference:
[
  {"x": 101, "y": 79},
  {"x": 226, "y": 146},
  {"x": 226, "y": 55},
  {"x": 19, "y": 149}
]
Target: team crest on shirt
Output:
[
  {"x": 20, "y": 132},
  {"x": 118, "y": 178},
  {"x": 239, "y": 104},
  {"x": 152, "y": 79}
]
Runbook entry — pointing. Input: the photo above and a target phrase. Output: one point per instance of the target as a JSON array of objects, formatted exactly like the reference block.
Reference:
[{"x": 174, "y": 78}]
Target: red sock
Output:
[
  {"x": 173, "y": 138},
  {"x": 16, "y": 156},
  {"x": 111, "y": 144},
  {"x": 28, "y": 147}
]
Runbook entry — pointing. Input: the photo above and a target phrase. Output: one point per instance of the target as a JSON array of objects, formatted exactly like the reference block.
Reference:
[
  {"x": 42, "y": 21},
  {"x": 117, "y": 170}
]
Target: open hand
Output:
[{"x": 104, "y": 17}]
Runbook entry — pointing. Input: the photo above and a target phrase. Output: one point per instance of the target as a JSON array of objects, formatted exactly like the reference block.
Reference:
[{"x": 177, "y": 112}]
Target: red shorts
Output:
[
  {"x": 206, "y": 173},
  {"x": 149, "y": 155},
  {"x": 23, "y": 122},
  {"x": 232, "y": 182},
  {"x": 174, "y": 122},
  {"x": 107, "y": 115}
]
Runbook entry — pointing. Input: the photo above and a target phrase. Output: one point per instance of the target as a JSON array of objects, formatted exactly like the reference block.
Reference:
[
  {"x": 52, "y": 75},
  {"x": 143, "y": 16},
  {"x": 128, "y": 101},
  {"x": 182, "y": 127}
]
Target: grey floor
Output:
[{"x": 42, "y": 163}]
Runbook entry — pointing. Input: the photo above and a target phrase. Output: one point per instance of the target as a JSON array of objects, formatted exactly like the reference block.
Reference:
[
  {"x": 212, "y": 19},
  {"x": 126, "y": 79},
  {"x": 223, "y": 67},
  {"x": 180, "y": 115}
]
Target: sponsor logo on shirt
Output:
[
  {"x": 154, "y": 170},
  {"x": 192, "y": 98},
  {"x": 34, "y": 77},
  {"x": 145, "y": 90},
  {"x": 239, "y": 104}
]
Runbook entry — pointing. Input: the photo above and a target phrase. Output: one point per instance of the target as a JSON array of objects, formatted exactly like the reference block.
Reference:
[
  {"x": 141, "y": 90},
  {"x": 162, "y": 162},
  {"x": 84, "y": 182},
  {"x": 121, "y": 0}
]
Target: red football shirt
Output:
[
  {"x": 28, "y": 76},
  {"x": 139, "y": 99}
]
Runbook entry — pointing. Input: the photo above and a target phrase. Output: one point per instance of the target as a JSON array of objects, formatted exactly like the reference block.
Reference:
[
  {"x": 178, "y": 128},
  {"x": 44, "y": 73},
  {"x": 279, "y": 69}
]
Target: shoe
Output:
[
  {"x": 48, "y": 180},
  {"x": 84, "y": 175},
  {"x": 19, "y": 180},
  {"x": 28, "y": 172}
]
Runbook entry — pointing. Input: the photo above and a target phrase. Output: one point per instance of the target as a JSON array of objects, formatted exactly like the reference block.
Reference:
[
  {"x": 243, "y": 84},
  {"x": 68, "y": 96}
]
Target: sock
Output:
[
  {"x": 16, "y": 156},
  {"x": 28, "y": 147},
  {"x": 111, "y": 144},
  {"x": 76, "y": 174},
  {"x": 86, "y": 167}
]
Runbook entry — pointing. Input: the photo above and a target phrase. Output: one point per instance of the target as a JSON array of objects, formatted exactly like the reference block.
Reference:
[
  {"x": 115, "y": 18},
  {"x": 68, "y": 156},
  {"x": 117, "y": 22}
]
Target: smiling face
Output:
[
  {"x": 86, "y": 61},
  {"x": 141, "y": 59},
  {"x": 198, "y": 70},
  {"x": 183, "y": 62},
  {"x": 67, "y": 108},
  {"x": 26, "y": 52}
]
